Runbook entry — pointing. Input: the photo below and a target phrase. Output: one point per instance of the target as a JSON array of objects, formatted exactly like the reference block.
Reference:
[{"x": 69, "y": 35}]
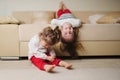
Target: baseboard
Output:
[
  {"x": 84, "y": 57},
  {"x": 9, "y": 58}
]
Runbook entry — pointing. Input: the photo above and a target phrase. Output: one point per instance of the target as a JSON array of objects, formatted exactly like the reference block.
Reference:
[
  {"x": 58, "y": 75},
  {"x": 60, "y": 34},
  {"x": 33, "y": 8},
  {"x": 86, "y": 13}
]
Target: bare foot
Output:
[
  {"x": 65, "y": 64},
  {"x": 49, "y": 68},
  {"x": 68, "y": 66}
]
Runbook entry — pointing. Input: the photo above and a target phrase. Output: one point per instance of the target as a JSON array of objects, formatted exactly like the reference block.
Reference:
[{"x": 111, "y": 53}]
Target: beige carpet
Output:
[{"x": 84, "y": 69}]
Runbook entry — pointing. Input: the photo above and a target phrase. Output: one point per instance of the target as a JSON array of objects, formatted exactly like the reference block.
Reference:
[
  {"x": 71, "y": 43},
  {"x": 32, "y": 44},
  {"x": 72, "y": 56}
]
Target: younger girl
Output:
[{"x": 41, "y": 53}]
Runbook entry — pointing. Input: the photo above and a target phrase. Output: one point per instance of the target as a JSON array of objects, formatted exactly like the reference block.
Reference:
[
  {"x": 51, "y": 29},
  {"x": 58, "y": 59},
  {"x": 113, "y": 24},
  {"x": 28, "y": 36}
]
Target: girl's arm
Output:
[
  {"x": 52, "y": 52},
  {"x": 35, "y": 49},
  {"x": 37, "y": 52}
]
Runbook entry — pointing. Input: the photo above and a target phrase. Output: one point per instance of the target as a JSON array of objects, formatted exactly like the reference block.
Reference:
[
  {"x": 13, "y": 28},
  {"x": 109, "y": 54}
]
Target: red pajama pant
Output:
[
  {"x": 40, "y": 63},
  {"x": 61, "y": 11}
]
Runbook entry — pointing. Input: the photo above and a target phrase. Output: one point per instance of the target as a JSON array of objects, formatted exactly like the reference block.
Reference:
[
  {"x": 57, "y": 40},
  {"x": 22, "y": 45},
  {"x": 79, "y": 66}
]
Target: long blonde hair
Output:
[{"x": 72, "y": 46}]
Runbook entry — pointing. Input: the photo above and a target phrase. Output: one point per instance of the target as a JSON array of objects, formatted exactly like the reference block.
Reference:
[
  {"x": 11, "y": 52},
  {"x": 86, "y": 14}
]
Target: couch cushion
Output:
[
  {"x": 46, "y": 16},
  {"x": 84, "y": 15},
  {"x": 109, "y": 19},
  {"x": 8, "y": 20},
  {"x": 23, "y": 16},
  {"x": 87, "y": 32},
  {"x": 100, "y": 32},
  {"x": 27, "y": 31},
  {"x": 94, "y": 18},
  {"x": 92, "y": 48},
  {"x": 9, "y": 40},
  {"x": 43, "y": 17}
]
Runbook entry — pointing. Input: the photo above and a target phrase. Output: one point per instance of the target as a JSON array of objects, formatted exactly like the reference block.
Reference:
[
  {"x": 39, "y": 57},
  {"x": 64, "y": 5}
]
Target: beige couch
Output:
[{"x": 97, "y": 39}]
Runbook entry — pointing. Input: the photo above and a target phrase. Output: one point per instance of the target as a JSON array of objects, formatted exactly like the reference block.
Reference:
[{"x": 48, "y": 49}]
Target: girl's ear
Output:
[{"x": 40, "y": 34}]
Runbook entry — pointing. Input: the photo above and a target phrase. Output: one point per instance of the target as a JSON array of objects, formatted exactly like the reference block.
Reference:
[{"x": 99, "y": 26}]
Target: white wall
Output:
[{"x": 8, "y": 6}]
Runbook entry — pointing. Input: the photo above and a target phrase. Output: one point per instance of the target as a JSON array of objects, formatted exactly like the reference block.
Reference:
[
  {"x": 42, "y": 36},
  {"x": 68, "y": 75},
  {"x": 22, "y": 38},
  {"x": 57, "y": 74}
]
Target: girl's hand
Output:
[{"x": 50, "y": 58}]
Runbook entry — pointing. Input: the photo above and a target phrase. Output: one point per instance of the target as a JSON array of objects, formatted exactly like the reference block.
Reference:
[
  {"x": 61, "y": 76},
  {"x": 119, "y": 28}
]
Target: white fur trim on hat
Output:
[{"x": 73, "y": 21}]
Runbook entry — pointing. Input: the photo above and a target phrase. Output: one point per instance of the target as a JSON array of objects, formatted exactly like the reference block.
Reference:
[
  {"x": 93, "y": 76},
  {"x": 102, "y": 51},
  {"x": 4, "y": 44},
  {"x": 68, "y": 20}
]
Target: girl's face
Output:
[
  {"x": 44, "y": 44},
  {"x": 67, "y": 32}
]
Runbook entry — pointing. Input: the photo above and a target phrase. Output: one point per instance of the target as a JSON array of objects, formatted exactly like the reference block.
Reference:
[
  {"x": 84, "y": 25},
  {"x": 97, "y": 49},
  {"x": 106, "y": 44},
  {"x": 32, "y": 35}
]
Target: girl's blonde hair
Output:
[
  {"x": 72, "y": 46},
  {"x": 50, "y": 36}
]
